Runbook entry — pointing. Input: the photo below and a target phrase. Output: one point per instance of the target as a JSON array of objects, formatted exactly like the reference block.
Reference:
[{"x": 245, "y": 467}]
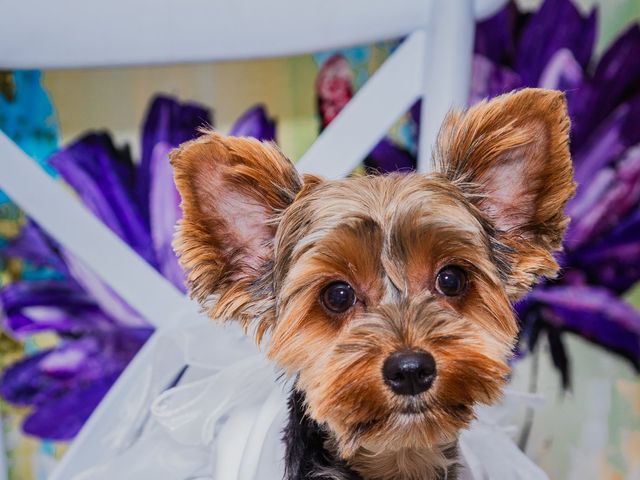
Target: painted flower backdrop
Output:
[
  {"x": 553, "y": 48},
  {"x": 99, "y": 333},
  {"x": 335, "y": 85}
]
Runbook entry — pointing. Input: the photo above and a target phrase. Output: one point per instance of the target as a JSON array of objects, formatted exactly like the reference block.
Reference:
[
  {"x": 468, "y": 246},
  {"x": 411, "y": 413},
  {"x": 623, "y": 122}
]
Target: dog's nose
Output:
[{"x": 409, "y": 372}]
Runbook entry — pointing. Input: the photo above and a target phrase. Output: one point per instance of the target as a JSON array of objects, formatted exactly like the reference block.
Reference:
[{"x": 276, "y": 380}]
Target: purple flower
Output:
[
  {"x": 64, "y": 385},
  {"x": 386, "y": 157},
  {"x": 99, "y": 333},
  {"x": 255, "y": 123},
  {"x": 167, "y": 122},
  {"x": 557, "y": 25},
  {"x": 49, "y": 305},
  {"x": 601, "y": 259}
]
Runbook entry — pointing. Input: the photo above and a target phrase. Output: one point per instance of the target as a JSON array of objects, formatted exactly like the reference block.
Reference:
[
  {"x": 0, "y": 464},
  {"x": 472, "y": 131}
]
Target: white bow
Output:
[{"x": 224, "y": 420}]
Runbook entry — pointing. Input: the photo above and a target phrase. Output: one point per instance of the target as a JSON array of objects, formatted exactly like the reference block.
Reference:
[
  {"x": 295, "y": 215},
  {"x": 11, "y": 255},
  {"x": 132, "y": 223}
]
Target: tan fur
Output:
[
  {"x": 225, "y": 258},
  {"x": 408, "y": 464},
  {"x": 479, "y": 150},
  {"x": 260, "y": 244}
]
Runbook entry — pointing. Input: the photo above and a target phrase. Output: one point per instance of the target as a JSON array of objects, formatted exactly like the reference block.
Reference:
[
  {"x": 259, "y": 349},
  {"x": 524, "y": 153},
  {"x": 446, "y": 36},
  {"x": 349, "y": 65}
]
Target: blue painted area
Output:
[
  {"x": 358, "y": 58},
  {"x": 35, "y": 272},
  {"x": 29, "y": 119},
  {"x": 406, "y": 135}
]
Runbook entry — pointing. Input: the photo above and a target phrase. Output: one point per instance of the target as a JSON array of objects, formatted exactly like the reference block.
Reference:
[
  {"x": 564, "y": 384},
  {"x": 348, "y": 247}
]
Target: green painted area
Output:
[
  {"x": 304, "y": 126},
  {"x": 633, "y": 296},
  {"x": 615, "y": 17}
]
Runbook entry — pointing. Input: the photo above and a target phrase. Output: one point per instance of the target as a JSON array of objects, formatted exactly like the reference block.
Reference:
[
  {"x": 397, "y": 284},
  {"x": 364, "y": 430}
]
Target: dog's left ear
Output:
[
  {"x": 511, "y": 158},
  {"x": 232, "y": 190}
]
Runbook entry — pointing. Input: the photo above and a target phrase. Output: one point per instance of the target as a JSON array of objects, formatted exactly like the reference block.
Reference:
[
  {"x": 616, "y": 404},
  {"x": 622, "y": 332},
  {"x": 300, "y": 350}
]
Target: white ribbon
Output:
[{"x": 224, "y": 420}]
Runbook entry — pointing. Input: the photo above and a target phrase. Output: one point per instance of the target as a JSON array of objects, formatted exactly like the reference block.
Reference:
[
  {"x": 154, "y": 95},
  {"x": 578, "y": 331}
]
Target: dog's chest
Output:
[
  {"x": 307, "y": 456},
  {"x": 407, "y": 464}
]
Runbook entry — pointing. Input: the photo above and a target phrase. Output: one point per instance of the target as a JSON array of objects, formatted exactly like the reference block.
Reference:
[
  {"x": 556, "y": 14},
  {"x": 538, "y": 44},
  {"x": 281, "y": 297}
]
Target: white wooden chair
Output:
[{"x": 433, "y": 62}]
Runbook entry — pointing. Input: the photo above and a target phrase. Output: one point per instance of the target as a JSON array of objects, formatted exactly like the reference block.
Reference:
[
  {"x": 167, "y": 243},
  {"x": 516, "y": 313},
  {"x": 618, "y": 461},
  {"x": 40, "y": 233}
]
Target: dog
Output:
[{"x": 387, "y": 298}]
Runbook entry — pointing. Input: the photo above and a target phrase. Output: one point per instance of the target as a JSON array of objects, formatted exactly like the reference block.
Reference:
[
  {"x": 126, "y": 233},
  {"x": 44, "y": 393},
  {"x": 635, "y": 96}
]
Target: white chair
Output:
[{"x": 434, "y": 63}]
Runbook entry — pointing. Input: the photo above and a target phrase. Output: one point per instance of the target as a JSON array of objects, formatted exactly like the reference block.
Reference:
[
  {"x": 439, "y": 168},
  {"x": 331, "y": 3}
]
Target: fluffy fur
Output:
[{"x": 260, "y": 244}]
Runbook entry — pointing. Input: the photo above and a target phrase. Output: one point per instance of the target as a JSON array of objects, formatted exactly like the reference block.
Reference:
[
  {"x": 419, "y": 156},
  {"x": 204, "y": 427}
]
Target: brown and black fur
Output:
[
  {"x": 260, "y": 243},
  {"x": 310, "y": 454}
]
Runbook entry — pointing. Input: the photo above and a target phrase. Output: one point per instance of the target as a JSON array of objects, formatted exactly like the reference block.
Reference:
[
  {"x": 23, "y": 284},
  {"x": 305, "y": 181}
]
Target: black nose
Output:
[{"x": 409, "y": 373}]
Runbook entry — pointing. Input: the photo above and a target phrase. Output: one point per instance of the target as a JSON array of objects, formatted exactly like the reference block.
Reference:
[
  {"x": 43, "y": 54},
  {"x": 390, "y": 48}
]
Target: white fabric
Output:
[{"x": 224, "y": 422}]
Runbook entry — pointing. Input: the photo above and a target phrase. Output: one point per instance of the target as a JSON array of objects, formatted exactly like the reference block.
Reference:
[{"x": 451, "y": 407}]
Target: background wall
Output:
[{"x": 117, "y": 98}]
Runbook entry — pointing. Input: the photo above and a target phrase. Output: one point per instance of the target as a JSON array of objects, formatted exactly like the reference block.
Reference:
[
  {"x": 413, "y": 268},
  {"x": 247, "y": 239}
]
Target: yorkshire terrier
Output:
[{"x": 387, "y": 298}]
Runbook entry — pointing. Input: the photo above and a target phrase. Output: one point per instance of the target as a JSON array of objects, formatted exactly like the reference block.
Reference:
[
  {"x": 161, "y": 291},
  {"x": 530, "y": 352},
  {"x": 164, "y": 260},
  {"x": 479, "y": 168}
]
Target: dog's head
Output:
[{"x": 390, "y": 296}]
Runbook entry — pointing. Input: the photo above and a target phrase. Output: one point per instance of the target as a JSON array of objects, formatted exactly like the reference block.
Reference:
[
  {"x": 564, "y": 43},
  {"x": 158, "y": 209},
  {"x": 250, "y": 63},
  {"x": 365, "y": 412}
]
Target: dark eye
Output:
[
  {"x": 451, "y": 281},
  {"x": 338, "y": 297}
]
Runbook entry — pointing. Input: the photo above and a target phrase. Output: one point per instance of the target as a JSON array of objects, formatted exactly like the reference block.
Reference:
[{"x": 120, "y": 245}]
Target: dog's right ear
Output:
[
  {"x": 511, "y": 157},
  {"x": 232, "y": 190}
]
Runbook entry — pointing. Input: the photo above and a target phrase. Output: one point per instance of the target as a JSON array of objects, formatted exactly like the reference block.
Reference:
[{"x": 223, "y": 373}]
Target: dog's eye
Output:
[
  {"x": 338, "y": 297},
  {"x": 451, "y": 281}
]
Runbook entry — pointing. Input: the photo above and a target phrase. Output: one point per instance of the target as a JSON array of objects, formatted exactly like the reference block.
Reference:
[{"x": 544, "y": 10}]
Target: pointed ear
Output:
[
  {"x": 232, "y": 191},
  {"x": 511, "y": 158}
]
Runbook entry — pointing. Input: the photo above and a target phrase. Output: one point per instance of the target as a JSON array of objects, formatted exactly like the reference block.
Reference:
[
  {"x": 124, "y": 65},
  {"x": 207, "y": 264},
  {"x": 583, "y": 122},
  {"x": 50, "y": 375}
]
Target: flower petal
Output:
[
  {"x": 542, "y": 38},
  {"x": 69, "y": 359},
  {"x": 255, "y": 123},
  {"x": 60, "y": 293},
  {"x": 562, "y": 72},
  {"x": 57, "y": 305},
  {"x": 164, "y": 210},
  {"x": 614, "y": 261},
  {"x": 603, "y": 203},
  {"x": 172, "y": 123},
  {"x": 627, "y": 231},
  {"x": 489, "y": 80},
  {"x": 102, "y": 176},
  {"x": 495, "y": 36},
  {"x": 66, "y": 383},
  {"x": 33, "y": 245},
  {"x": 387, "y": 157},
  {"x": 607, "y": 144},
  {"x": 596, "y": 314},
  {"x": 615, "y": 81},
  {"x": 62, "y": 417},
  {"x": 24, "y": 384}
]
